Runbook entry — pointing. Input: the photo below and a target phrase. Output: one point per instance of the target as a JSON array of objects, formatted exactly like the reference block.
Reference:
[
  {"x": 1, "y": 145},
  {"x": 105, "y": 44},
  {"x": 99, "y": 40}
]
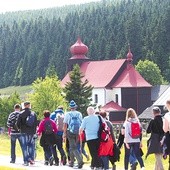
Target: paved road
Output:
[{"x": 4, "y": 161}]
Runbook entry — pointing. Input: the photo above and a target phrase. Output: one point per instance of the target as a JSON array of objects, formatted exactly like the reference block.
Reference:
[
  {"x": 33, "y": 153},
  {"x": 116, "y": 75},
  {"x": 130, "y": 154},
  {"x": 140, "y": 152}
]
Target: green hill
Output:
[{"x": 21, "y": 90}]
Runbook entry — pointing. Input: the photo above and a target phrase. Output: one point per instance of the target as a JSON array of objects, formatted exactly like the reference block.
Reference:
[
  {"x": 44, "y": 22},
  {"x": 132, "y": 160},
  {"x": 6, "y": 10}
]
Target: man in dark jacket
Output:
[
  {"x": 155, "y": 142},
  {"x": 27, "y": 133}
]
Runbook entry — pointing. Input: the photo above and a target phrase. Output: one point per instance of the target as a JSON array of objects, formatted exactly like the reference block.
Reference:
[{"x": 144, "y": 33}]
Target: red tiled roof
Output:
[
  {"x": 131, "y": 78},
  {"x": 112, "y": 106},
  {"x": 98, "y": 73}
]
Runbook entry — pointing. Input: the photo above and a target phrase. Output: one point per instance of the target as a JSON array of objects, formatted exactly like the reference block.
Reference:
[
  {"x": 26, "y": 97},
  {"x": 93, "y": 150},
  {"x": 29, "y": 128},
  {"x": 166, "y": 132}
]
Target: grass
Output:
[
  {"x": 21, "y": 90},
  {"x": 149, "y": 162}
]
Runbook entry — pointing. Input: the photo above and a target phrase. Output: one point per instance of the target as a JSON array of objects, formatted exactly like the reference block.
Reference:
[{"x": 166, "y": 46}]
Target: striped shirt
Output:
[{"x": 12, "y": 120}]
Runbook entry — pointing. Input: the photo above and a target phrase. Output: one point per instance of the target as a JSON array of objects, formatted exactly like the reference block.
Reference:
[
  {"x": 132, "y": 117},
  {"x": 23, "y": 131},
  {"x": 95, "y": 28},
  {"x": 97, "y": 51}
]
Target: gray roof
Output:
[
  {"x": 157, "y": 91},
  {"x": 163, "y": 95},
  {"x": 147, "y": 113},
  {"x": 163, "y": 98}
]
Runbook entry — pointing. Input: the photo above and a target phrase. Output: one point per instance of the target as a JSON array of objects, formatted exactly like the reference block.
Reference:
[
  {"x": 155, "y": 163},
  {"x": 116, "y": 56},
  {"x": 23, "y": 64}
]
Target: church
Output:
[{"x": 117, "y": 86}]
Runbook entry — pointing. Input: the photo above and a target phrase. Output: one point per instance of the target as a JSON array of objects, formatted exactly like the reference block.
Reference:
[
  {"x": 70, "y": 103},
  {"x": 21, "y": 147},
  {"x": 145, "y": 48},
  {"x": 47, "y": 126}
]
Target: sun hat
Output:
[{"x": 72, "y": 104}]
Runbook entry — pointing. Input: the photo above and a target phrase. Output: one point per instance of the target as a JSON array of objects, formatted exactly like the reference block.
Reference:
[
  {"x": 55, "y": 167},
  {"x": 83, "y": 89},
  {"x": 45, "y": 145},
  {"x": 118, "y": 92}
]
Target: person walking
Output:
[
  {"x": 155, "y": 146},
  {"x": 27, "y": 124},
  {"x": 132, "y": 137},
  {"x": 90, "y": 125},
  {"x": 132, "y": 158},
  {"x": 166, "y": 128},
  {"x": 108, "y": 157},
  {"x": 72, "y": 122},
  {"x": 48, "y": 129},
  {"x": 58, "y": 117},
  {"x": 13, "y": 131}
]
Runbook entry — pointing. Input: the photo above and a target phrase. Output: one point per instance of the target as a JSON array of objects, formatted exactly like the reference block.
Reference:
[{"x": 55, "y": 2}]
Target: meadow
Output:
[{"x": 5, "y": 150}]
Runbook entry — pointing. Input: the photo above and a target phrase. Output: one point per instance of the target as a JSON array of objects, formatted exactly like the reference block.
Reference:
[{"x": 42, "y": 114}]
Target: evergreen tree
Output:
[{"x": 78, "y": 90}]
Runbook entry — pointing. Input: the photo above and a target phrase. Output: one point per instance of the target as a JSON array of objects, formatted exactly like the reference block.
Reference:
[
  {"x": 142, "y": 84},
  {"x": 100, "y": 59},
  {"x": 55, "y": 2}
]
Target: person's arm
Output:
[
  {"x": 149, "y": 129},
  {"x": 165, "y": 124}
]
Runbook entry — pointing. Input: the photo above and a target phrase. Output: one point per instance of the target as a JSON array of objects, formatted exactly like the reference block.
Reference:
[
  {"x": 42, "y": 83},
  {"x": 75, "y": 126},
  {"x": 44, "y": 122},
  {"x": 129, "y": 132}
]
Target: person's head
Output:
[
  {"x": 46, "y": 113},
  {"x": 27, "y": 104},
  {"x": 72, "y": 105},
  {"x": 168, "y": 104},
  {"x": 130, "y": 113},
  {"x": 103, "y": 114},
  {"x": 17, "y": 107},
  {"x": 90, "y": 110},
  {"x": 156, "y": 111},
  {"x": 60, "y": 107}
]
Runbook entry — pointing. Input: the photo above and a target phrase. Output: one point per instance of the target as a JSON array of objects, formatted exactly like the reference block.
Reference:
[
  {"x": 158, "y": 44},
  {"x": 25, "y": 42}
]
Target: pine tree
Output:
[{"x": 78, "y": 90}]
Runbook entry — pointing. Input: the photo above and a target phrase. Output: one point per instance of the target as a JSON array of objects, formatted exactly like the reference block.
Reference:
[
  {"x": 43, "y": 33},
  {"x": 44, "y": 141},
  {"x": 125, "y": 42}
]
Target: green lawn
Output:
[
  {"x": 21, "y": 90},
  {"x": 149, "y": 163}
]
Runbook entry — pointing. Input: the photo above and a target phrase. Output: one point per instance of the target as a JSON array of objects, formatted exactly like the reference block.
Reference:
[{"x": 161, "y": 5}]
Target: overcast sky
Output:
[{"x": 18, "y": 5}]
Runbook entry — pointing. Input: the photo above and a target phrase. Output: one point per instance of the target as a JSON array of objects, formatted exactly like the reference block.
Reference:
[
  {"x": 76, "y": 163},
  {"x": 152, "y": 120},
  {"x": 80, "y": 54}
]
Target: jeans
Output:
[
  {"x": 28, "y": 147},
  {"x": 105, "y": 160},
  {"x": 72, "y": 138},
  {"x": 14, "y": 137},
  {"x": 136, "y": 150},
  {"x": 132, "y": 157},
  {"x": 81, "y": 148}
]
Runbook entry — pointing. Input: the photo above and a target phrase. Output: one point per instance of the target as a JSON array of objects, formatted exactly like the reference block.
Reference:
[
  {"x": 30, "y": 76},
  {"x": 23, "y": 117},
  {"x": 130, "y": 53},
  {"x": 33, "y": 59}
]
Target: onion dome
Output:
[{"x": 78, "y": 50}]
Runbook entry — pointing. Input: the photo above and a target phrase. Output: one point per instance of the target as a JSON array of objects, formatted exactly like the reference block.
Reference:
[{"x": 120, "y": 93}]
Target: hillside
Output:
[
  {"x": 33, "y": 42},
  {"x": 21, "y": 90}
]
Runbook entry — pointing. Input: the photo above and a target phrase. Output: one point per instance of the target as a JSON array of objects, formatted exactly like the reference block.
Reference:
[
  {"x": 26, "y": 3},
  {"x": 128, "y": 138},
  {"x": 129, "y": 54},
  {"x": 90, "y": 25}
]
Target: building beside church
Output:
[{"x": 116, "y": 84}]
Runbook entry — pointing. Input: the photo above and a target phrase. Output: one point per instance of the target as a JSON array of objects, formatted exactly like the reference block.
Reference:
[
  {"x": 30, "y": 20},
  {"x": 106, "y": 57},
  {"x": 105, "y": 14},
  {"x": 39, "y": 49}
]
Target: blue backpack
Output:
[
  {"x": 74, "y": 123},
  {"x": 30, "y": 119}
]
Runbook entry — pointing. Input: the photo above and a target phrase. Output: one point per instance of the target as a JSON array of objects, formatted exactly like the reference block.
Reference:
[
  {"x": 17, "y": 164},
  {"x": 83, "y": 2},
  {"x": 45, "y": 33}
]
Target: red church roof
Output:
[
  {"x": 112, "y": 106},
  {"x": 131, "y": 78},
  {"x": 99, "y": 73}
]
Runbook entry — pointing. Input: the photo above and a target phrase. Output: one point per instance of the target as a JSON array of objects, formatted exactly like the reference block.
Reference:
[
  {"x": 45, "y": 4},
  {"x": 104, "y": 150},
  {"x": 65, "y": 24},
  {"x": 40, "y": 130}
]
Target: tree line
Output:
[{"x": 32, "y": 44}]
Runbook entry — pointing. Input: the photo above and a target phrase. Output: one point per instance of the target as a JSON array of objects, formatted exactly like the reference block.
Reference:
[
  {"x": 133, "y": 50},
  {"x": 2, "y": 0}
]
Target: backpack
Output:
[
  {"x": 135, "y": 130},
  {"x": 59, "y": 122},
  {"x": 30, "y": 119},
  {"x": 74, "y": 123},
  {"x": 104, "y": 131},
  {"x": 48, "y": 129}
]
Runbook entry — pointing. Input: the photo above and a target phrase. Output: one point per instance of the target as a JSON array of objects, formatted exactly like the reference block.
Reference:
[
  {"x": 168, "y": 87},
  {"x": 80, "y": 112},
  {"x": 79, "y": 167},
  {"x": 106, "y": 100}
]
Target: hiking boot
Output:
[
  {"x": 79, "y": 166},
  {"x": 31, "y": 162},
  {"x": 51, "y": 161},
  {"x": 46, "y": 163},
  {"x": 134, "y": 166},
  {"x": 71, "y": 164},
  {"x": 64, "y": 160},
  {"x": 56, "y": 164},
  {"x": 25, "y": 164}
]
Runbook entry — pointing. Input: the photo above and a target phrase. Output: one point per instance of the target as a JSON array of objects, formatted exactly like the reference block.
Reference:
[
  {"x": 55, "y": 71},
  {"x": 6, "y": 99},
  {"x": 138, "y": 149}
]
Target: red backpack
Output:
[
  {"x": 135, "y": 130},
  {"x": 104, "y": 131}
]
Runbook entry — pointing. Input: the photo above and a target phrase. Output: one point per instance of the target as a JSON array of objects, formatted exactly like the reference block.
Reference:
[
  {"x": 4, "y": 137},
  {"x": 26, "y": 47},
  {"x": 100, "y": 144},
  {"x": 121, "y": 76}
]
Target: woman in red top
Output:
[{"x": 47, "y": 140}]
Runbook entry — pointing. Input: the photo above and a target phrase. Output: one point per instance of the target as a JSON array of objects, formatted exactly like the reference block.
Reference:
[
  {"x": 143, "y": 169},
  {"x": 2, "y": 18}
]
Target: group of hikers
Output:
[{"x": 95, "y": 129}]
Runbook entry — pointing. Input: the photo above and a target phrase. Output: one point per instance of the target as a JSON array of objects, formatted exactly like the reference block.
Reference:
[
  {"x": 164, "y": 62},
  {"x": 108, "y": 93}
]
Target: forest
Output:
[{"x": 32, "y": 42}]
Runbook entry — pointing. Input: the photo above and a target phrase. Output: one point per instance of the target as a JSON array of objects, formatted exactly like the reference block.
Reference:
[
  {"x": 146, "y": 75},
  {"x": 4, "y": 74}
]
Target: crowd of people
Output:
[{"x": 72, "y": 130}]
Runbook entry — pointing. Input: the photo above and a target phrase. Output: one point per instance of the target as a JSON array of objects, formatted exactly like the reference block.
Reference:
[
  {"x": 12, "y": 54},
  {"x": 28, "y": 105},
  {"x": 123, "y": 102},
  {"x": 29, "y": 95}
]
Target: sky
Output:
[{"x": 18, "y": 5}]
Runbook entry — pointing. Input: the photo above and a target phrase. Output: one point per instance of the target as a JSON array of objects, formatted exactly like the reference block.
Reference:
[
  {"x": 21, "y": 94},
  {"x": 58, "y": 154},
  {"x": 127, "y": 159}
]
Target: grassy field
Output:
[
  {"x": 149, "y": 162},
  {"x": 21, "y": 90}
]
